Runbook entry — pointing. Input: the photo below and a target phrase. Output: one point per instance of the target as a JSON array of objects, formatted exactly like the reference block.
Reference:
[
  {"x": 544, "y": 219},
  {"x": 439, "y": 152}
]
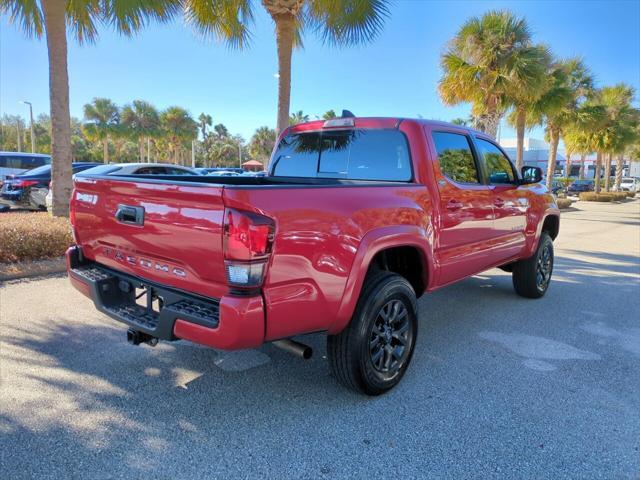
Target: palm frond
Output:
[
  {"x": 26, "y": 14},
  {"x": 346, "y": 22},
  {"x": 129, "y": 16},
  {"x": 82, "y": 17},
  {"x": 225, "y": 20}
]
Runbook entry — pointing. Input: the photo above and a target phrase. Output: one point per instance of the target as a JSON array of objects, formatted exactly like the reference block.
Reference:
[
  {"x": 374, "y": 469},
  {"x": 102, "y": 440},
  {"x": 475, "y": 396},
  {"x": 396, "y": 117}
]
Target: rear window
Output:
[
  {"x": 45, "y": 169},
  {"x": 349, "y": 154}
]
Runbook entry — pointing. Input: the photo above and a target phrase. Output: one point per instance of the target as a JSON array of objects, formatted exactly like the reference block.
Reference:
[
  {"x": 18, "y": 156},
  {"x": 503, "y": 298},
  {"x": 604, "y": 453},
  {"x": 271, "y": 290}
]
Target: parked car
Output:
[
  {"x": 629, "y": 184},
  {"x": 580, "y": 186},
  {"x": 16, "y": 163},
  {"x": 29, "y": 190},
  {"x": 224, "y": 173},
  {"x": 210, "y": 170},
  {"x": 133, "y": 169},
  {"x": 357, "y": 218}
]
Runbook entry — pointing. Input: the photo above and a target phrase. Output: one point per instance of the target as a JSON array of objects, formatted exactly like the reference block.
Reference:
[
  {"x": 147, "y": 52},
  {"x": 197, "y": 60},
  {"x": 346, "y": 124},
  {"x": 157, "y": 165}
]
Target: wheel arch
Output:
[{"x": 396, "y": 244}]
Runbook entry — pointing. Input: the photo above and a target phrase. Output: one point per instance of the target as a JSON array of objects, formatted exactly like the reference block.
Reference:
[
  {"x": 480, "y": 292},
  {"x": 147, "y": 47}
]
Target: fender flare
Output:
[
  {"x": 549, "y": 212},
  {"x": 372, "y": 243}
]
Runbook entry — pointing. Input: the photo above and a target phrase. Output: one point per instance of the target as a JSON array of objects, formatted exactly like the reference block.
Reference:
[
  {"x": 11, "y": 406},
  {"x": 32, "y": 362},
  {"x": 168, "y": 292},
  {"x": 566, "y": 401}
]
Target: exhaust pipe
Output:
[
  {"x": 299, "y": 349},
  {"x": 135, "y": 337}
]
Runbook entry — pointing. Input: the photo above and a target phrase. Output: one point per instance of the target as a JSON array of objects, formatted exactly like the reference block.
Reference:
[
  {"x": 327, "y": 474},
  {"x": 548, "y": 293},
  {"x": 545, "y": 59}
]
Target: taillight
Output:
[
  {"x": 24, "y": 183},
  {"x": 248, "y": 238}
]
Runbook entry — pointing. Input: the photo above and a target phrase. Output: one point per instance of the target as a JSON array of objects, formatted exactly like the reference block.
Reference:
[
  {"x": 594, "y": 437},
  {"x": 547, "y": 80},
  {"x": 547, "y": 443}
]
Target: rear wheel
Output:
[
  {"x": 373, "y": 352},
  {"x": 531, "y": 277}
]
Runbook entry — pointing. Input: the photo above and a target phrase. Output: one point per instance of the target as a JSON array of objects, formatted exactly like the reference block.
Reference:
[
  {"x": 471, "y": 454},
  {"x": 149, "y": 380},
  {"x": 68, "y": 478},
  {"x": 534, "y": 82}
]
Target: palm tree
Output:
[
  {"x": 484, "y": 63},
  {"x": 622, "y": 120},
  {"x": 51, "y": 18},
  {"x": 569, "y": 82},
  {"x": 463, "y": 122},
  {"x": 528, "y": 83},
  {"x": 329, "y": 114},
  {"x": 179, "y": 128},
  {"x": 142, "y": 122},
  {"x": 337, "y": 22},
  {"x": 102, "y": 121},
  {"x": 611, "y": 130},
  {"x": 204, "y": 121},
  {"x": 576, "y": 141},
  {"x": 298, "y": 117},
  {"x": 262, "y": 143}
]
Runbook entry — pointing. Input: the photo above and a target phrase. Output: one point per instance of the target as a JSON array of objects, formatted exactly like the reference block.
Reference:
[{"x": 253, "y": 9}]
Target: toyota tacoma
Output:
[{"x": 355, "y": 220}]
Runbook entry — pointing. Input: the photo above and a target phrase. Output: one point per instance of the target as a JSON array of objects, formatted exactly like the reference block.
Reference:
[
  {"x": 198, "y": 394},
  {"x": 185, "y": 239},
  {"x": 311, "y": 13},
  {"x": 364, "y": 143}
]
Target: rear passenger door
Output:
[
  {"x": 510, "y": 202},
  {"x": 465, "y": 208}
]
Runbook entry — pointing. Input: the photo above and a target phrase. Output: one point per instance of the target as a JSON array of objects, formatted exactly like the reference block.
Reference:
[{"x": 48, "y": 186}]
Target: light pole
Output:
[
  {"x": 33, "y": 138},
  {"x": 240, "y": 154}
]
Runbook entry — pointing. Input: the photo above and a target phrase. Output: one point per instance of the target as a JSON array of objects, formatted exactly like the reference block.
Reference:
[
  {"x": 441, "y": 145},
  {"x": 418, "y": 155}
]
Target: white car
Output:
[
  {"x": 629, "y": 184},
  {"x": 134, "y": 169}
]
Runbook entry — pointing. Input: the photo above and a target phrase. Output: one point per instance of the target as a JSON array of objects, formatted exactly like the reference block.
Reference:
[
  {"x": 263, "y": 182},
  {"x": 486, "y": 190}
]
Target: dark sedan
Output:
[
  {"x": 580, "y": 186},
  {"x": 29, "y": 190}
]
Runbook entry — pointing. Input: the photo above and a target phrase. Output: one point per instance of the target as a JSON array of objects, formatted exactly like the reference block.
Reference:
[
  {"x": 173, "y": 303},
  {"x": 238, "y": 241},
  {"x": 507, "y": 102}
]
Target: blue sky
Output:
[{"x": 396, "y": 75}]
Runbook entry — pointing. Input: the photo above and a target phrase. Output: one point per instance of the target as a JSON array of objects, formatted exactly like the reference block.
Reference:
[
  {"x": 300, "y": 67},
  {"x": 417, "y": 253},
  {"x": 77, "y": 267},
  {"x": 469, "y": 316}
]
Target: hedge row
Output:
[
  {"x": 26, "y": 236},
  {"x": 605, "y": 196}
]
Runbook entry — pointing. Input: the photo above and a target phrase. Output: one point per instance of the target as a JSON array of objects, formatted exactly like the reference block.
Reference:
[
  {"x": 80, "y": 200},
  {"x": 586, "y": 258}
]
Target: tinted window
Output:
[
  {"x": 352, "y": 154},
  {"x": 178, "y": 171},
  {"x": 455, "y": 157},
  {"x": 499, "y": 168},
  {"x": 45, "y": 169},
  {"x": 23, "y": 162},
  {"x": 151, "y": 171}
]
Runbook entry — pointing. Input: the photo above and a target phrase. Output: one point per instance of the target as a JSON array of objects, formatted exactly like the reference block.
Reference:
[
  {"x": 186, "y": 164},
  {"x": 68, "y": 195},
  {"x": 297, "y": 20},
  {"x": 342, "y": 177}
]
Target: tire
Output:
[
  {"x": 373, "y": 352},
  {"x": 531, "y": 277}
]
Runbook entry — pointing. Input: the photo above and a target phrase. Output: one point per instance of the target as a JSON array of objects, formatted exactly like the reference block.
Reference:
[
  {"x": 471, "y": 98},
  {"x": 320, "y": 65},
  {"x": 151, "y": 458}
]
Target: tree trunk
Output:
[
  {"x": 597, "y": 172},
  {"x": 581, "y": 172},
  {"x": 285, "y": 28},
  {"x": 141, "y": 148},
  {"x": 61, "y": 171},
  {"x": 105, "y": 150},
  {"x": 553, "y": 152},
  {"x": 567, "y": 166},
  {"x": 520, "y": 126},
  {"x": 619, "y": 166},
  {"x": 607, "y": 173}
]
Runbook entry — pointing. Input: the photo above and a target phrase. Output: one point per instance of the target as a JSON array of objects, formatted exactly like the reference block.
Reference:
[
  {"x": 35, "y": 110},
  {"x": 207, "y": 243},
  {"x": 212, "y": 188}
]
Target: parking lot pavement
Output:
[{"x": 499, "y": 386}]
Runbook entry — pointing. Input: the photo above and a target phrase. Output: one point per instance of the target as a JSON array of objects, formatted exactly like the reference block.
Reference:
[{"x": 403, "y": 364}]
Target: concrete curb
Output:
[{"x": 18, "y": 270}]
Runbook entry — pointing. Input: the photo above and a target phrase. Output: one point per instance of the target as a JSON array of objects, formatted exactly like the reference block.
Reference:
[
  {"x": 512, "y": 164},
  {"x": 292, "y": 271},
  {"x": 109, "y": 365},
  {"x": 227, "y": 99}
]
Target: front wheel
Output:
[
  {"x": 531, "y": 277},
  {"x": 373, "y": 352}
]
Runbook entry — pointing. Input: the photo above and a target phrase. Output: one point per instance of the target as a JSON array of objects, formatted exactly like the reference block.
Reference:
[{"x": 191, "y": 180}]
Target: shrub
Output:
[
  {"x": 596, "y": 197},
  {"x": 630, "y": 194},
  {"x": 32, "y": 236},
  {"x": 564, "y": 202}
]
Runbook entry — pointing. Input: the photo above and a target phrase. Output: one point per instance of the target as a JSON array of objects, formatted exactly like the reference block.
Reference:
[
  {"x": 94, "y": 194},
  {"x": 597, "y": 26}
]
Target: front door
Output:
[{"x": 465, "y": 209}]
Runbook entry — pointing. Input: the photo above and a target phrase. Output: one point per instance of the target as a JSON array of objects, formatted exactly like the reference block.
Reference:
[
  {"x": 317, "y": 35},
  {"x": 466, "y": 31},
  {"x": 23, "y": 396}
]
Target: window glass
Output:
[
  {"x": 455, "y": 157},
  {"x": 151, "y": 171},
  {"x": 23, "y": 162},
  {"x": 177, "y": 171},
  {"x": 39, "y": 170},
  {"x": 350, "y": 154},
  {"x": 499, "y": 168}
]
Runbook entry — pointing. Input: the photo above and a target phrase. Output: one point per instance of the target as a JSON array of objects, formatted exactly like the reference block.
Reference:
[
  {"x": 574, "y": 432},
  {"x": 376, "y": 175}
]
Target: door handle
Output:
[
  {"x": 454, "y": 205},
  {"x": 130, "y": 215},
  {"x": 498, "y": 202}
]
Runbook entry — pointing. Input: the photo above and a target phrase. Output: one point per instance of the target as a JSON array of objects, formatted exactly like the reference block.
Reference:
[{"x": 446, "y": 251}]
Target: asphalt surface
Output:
[{"x": 499, "y": 386}]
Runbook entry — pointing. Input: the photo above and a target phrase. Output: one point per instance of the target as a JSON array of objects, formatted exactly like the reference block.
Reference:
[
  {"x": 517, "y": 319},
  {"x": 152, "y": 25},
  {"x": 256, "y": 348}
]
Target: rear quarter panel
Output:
[{"x": 320, "y": 254}]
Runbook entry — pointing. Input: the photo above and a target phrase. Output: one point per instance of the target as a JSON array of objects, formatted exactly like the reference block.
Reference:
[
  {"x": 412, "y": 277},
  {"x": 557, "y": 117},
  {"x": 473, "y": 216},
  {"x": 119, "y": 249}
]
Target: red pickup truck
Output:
[{"x": 357, "y": 218}]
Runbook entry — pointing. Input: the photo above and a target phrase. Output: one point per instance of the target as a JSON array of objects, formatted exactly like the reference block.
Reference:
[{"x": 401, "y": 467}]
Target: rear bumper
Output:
[{"x": 229, "y": 323}]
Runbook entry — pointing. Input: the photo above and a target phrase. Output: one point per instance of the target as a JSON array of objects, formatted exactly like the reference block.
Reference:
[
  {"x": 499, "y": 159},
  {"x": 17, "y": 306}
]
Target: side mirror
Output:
[{"x": 530, "y": 175}]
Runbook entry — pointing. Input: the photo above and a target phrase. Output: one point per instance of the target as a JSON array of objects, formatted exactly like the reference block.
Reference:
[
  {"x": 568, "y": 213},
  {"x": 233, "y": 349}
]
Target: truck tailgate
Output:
[{"x": 177, "y": 241}]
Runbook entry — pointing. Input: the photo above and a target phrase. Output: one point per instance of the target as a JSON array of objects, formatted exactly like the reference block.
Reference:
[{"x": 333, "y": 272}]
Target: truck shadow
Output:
[{"x": 88, "y": 403}]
